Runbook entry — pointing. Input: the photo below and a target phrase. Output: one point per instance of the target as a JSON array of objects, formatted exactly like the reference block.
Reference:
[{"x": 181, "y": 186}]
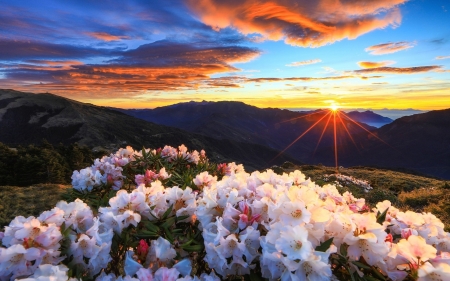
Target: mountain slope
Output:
[
  {"x": 370, "y": 118},
  {"x": 271, "y": 127},
  {"x": 419, "y": 142},
  {"x": 28, "y": 118}
]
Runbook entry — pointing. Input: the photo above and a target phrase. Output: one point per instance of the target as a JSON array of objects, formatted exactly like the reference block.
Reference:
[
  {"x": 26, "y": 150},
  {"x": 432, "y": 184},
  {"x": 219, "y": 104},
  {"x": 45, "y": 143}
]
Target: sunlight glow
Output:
[{"x": 334, "y": 107}]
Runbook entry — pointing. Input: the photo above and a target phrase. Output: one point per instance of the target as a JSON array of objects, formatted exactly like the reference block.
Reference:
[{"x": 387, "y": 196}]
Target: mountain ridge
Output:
[{"x": 29, "y": 118}]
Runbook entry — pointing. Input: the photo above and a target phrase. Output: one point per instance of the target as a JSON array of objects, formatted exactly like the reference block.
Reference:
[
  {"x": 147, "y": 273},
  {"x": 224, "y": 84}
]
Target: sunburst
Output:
[{"x": 337, "y": 116}]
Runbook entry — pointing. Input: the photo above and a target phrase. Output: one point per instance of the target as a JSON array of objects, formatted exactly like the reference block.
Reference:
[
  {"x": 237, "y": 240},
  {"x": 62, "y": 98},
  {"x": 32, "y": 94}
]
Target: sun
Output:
[{"x": 334, "y": 107}]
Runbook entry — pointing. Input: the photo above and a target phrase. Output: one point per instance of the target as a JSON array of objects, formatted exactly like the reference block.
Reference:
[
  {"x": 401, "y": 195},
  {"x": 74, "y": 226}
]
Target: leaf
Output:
[
  {"x": 187, "y": 243},
  {"x": 370, "y": 278},
  {"x": 150, "y": 226},
  {"x": 167, "y": 212},
  {"x": 361, "y": 265},
  {"x": 193, "y": 248},
  {"x": 168, "y": 223},
  {"x": 324, "y": 246},
  {"x": 343, "y": 249},
  {"x": 180, "y": 218},
  {"x": 382, "y": 217},
  {"x": 378, "y": 273}
]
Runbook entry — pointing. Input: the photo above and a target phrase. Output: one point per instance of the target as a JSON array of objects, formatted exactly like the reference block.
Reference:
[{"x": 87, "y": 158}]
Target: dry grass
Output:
[
  {"x": 405, "y": 191},
  {"x": 28, "y": 201}
]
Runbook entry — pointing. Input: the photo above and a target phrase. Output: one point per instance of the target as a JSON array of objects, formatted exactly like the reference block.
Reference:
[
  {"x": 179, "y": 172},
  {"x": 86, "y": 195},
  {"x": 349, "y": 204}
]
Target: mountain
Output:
[
  {"x": 370, "y": 118},
  {"x": 27, "y": 118},
  {"x": 417, "y": 143},
  {"x": 420, "y": 142},
  {"x": 272, "y": 127}
]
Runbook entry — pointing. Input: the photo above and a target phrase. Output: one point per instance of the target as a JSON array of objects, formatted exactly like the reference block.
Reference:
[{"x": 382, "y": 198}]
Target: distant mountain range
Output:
[
  {"x": 272, "y": 127},
  {"x": 234, "y": 131},
  {"x": 27, "y": 118},
  {"x": 370, "y": 118},
  {"x": 419, "y": 142}
]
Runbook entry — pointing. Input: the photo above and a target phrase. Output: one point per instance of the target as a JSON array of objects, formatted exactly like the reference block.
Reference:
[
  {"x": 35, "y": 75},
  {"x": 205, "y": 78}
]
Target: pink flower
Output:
[
  {"x": 142, "y": 249},
  {"x": 407, "y": 232},
  {"x": 389, "y": 238},
  {"x": 139, "y": 179}
]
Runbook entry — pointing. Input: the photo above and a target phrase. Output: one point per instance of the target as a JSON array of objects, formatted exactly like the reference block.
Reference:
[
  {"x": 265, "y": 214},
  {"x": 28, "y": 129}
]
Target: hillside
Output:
[
  {"x": 370, "y": 118},
  {"x": 271, "y": 127},
  {"x": 27, "y": 118},
  {"x": 419, "y": 142}
]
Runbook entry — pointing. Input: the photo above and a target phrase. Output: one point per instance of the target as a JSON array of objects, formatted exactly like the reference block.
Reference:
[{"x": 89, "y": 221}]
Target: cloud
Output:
[
  {"x": 162, "y": 65},
  {"x": 14, "y": 50},
  {"x": 273, "y": 79},
  {"x": 300, "y": 23},
  {"x": 106, "y": 36},
  {"x": 306, "y": 62},
  {"x": 400, "y": 70},
  {"x": 369, "y": 64},
  {"x": 442, "y": 57},
  {"x": 389, "y": 48}
]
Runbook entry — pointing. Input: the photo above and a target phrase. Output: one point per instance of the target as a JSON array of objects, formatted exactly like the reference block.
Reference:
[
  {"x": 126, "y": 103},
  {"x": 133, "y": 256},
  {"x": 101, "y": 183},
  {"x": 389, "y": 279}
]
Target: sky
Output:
[{"x": 373, "y": 54}]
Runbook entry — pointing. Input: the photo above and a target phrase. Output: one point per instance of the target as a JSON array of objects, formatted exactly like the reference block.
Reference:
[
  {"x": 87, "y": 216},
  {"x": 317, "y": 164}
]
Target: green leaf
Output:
[
  {"x": 382, "y": 217},
  {"x": 370, "y": 278},
  {"x": 378, "y": 273},
  {"x": 180, "y": 218},
  {"x": 150, "y": 226},
  {"x": 193, "y": 248},
  {"x": 168, "y": 223},
  {"x": 187, "y": 243},
  {"x": 324, "y": 246},
  {"x": 167, "y": 212},
  {"x": 343, "y": 249},
  {"x": 361, "y": 265},
  {"x": 169, "y": 235}
]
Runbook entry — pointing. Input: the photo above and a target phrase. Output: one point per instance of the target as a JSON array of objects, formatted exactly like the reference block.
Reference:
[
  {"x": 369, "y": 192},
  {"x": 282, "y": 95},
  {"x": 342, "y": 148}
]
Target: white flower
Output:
[
  {"x": 165, "y": 274},
  {"x": 428, "y": 272},
  {"x": 49, "y": 272},
  {"x": 16, "y": 258},
  {"x": 161, "y": 250},
  {"x": 184, "y": 267},
  {"x": 294, "y": 243},
  {"x": 131, "y": 266}
]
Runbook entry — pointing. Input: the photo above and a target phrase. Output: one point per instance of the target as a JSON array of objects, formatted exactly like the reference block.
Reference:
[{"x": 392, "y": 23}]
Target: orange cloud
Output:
[
  {"x": 389, "y": 48},
  {"x": 162, "y": 65},
  {"x": 400, "y": 70},
  {"x": 442, "y": 57},
  {"x": 106, "y": 36},
  {"x": 369, "y": 64},
  {"x": 301, "y": 23},
  {"x": 306, "y": 62}
]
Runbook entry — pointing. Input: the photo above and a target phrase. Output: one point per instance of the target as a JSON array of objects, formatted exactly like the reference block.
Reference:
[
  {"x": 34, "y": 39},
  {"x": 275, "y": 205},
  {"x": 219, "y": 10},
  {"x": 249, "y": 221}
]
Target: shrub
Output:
[{"x": 170, "y": 214}]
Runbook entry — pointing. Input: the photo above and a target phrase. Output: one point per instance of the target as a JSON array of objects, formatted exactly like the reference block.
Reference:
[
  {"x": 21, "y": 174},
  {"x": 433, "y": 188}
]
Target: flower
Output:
[{"x": 294, "y": 243}]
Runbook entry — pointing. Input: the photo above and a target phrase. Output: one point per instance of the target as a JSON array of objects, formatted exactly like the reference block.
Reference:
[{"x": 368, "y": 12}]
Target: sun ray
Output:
[
  {"x": 323, "y": 132},
  {"x": 345, "y": 115},
  {"x": 303, "y": 116},
  {"x": 304, "y": 133},
  {"x": 335, "y": 142},
  {"x": 348, "y": 132}
]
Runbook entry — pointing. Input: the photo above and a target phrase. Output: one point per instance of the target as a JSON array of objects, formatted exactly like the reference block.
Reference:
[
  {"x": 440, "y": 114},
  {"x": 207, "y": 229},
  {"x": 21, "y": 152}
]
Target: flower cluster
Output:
[
  {"x": 223, "y": 223},
  {"x": 344, "y": 179}
]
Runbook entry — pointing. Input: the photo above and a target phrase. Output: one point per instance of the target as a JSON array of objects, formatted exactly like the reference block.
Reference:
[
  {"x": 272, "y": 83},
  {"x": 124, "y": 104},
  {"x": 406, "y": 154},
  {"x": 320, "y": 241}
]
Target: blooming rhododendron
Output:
[{"x": 169, "y": 214}]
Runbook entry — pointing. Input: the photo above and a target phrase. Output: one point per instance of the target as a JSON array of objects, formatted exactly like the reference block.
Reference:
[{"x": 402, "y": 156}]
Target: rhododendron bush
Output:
[{"x": 170, "y": 214}]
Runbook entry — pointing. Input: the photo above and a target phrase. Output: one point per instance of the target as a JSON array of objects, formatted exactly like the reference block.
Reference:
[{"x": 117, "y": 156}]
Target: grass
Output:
[
  {"x": 405, "y": 191},
  {"x": 28, "y": 201}
]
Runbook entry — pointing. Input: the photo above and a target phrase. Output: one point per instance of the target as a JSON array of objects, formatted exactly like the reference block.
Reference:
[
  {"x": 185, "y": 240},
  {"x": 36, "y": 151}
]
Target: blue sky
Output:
[{"x": 281, "y": 53}]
